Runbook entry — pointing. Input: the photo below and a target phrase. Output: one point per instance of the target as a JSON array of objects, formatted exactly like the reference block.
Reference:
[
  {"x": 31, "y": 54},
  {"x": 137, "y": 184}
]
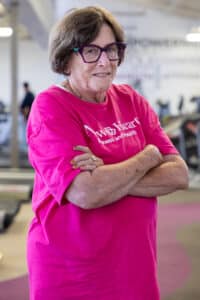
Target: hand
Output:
[
  {"x": 154, "y": 153},
  {"x": 86, "y": 161}
]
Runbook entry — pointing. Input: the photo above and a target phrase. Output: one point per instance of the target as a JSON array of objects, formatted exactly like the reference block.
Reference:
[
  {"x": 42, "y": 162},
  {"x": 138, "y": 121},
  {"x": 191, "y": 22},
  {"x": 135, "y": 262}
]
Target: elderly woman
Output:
[{"x": 100, "y": 159}]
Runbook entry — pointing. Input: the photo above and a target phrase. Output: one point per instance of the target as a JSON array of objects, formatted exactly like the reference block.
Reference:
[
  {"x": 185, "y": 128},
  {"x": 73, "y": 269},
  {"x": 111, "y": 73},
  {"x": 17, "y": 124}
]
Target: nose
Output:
[{"x": 103, "y": 59}]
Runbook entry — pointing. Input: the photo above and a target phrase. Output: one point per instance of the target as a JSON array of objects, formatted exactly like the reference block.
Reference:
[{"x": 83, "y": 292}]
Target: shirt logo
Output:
[{"x": 115, "y": 132}]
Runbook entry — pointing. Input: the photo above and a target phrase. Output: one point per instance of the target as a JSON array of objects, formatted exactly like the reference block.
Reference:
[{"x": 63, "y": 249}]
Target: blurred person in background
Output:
[{"x": 27, "y": 101}]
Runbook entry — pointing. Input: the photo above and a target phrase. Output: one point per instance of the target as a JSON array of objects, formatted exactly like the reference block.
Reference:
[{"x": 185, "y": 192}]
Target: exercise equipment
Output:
[
  {"x": 8, "y": 210},
  {"x": 184, "y": 132},
  {"x": 15, "y": 189}
]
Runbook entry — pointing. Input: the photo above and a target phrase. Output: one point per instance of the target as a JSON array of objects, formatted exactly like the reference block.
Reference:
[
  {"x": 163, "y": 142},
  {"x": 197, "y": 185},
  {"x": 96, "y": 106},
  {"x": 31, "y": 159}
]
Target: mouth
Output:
[{"x": 102, "y": 74}]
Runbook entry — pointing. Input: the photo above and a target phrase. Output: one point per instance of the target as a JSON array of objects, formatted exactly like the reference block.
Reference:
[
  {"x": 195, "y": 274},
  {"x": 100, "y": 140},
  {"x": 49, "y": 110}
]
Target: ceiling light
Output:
[
  {"x": 5, "y": 31},
  {"x": 193, "y": 37}
]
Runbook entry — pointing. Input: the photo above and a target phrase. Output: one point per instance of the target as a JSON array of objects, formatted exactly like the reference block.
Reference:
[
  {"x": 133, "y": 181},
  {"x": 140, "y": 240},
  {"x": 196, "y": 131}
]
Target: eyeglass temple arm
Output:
[{"x": 76, "y": 49}]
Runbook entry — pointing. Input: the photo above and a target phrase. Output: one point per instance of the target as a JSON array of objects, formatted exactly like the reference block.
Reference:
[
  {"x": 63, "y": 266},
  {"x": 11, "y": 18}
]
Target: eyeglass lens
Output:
[{"x": 92, "y": 53}]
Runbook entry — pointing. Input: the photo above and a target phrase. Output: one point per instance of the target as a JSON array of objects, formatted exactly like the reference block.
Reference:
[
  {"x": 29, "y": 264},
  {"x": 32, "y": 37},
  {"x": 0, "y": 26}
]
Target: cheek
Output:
[
  {"x": 79, "y": 69},
  {"x": 114, "y": 65},
  {"x": 87, "y": 71},
  {"x": 114, "y": 69},
  {"x": 85, "y": 68},
  {"x": 82, "y": 74}
]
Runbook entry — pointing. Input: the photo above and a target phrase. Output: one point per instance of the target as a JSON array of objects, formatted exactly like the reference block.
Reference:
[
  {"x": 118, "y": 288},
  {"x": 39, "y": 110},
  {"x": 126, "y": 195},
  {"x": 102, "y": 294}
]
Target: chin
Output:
[{"x": 102, "y": 86}]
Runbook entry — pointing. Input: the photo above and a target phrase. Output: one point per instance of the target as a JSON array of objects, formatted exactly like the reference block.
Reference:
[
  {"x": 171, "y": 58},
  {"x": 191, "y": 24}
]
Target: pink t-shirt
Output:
[{"x": 107, "y": 253}]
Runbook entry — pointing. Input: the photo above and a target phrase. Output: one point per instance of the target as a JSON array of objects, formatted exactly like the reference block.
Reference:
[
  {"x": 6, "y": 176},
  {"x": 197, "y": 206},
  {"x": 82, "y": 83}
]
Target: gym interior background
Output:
[{"x": 163, "y": 64}]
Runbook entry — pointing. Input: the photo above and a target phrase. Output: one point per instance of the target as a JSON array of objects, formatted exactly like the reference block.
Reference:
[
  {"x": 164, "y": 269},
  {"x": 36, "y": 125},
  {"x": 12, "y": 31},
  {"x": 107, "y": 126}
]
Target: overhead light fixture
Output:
[
  {"x": 5, "y": 32},
  {"x": 194, "y": 35}
]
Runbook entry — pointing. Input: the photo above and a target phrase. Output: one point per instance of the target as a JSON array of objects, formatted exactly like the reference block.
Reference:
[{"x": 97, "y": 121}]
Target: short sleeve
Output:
[
  {"x": 52, "y": 132},
  {"x": 152, "y": 129}
]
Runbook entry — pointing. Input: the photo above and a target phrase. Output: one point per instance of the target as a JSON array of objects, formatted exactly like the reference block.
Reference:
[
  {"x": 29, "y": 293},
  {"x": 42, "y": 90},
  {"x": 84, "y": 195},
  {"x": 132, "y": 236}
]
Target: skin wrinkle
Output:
[
  {"x": 94, "y": 188},
  {"x": 154, "y": 183}
]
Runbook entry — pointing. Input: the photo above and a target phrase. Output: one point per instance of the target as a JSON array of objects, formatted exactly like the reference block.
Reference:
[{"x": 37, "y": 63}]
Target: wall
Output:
[
  {"x": 33, "y": 67},
  {"x": 166, "y": 70},
  {"x": 166, "y": 66}
]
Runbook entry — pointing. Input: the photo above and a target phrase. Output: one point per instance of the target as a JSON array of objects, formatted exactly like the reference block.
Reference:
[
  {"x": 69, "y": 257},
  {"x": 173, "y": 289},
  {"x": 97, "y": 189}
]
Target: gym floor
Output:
[{"x": 178, "y": 246}]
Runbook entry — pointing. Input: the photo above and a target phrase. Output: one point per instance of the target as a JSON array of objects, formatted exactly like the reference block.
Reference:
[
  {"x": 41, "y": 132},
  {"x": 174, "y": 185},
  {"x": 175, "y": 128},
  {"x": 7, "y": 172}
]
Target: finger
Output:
[
  {"x": 97, "y": 161},
  {"x": 81, "y": 157},
  {"x": 100, "y": 162},
  {"x": 82, "y": 148},
  {"x": 84, "y": 162},
  {"x": 87, "y": 168},
  {"x": 89, "y": 161}
]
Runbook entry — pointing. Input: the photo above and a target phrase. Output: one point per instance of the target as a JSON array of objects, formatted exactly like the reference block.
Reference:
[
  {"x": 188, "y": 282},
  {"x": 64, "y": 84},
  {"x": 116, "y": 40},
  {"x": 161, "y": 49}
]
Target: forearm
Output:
[
  {"x": 166, "y": 178},
  {"x": 109, "y": 183}
]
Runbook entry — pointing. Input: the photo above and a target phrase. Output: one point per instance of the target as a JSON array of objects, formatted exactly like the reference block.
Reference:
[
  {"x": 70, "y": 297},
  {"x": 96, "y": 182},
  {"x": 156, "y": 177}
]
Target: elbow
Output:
[
  {"x": 180, "y": 184},
  {"x": 83, "y": 200},
  {"x": 183, "y": 180},
  {"x": 183, "y": 184},
  {"x": 82, "y": 193},
  {"x": 89, "y": 200}
]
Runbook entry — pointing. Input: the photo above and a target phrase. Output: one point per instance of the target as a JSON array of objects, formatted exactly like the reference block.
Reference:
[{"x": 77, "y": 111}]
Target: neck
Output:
[{"x": 98, "y": 98}]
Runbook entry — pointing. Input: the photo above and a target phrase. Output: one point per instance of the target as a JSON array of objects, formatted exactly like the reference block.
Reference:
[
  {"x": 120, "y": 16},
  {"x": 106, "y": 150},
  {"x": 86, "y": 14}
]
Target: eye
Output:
[
  {"x": 112, "y": 49},
  {"x": 90, "y": 50}
]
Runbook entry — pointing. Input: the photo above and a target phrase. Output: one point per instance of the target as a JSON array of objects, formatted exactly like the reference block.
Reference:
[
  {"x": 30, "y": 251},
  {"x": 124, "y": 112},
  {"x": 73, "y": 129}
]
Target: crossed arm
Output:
[
  {"x": 146, "y": 174},
  {"x": 169, "y": 176}
]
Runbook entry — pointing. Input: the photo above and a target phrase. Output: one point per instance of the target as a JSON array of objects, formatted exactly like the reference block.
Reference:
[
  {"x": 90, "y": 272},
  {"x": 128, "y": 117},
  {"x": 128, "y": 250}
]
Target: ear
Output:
[
  {"x": 67, "y": 70},
  {"x": 67, "y": 73},
  {"x": 69, "y": 66}
]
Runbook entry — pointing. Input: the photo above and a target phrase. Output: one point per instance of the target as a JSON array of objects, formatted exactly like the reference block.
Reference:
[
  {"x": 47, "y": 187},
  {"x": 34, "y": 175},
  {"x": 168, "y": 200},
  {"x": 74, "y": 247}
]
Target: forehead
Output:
[{"x": 105, "y": 36}]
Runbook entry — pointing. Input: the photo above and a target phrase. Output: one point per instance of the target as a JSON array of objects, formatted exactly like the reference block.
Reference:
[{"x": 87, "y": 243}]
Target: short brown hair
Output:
[{"x": 77, "y": 28}]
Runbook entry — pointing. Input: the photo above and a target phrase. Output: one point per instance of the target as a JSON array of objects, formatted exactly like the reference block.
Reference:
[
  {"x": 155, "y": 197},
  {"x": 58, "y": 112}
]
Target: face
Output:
[{"x": 94, "y": 78}]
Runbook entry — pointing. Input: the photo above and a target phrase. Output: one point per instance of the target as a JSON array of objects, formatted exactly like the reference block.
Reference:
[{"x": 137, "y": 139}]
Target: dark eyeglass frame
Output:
[{"x": 120, "y": 45}]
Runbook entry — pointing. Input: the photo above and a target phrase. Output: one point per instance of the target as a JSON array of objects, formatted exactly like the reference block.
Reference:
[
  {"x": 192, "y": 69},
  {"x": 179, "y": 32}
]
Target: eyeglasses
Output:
[{"x": 92, "y": 53}]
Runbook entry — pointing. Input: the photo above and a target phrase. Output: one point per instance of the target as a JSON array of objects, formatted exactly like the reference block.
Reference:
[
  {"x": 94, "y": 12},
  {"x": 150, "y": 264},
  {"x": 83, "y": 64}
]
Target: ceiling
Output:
[
  {"x": 186, "y": 8},
  {"x": 5, "y": 22},
  {"x": 37, "y": 16}
]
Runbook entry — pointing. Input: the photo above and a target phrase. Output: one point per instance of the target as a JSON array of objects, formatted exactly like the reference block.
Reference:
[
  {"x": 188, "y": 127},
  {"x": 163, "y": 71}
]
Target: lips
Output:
[{"x": 102, "y": 74}]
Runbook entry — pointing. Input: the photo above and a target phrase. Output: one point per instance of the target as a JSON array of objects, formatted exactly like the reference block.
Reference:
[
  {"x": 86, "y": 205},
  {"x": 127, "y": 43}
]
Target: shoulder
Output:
[
  {"x": 49, "y": 113},
  {"x": 121, "y": 89},
  {"x": 46, "y": 95},
  {"x": 126, "y": 92},
  {"x": 45, "y": 107},
  {"x": 52, "y": 108},
  {"x": 50, "y": 102},
  {"x": 124, "y": 89}
]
